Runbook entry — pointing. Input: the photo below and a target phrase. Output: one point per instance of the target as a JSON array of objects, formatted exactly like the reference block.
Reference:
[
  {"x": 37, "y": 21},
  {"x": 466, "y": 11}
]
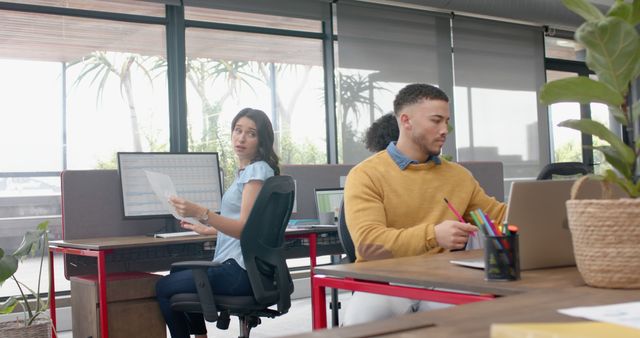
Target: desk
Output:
[
  {"x": 474, "y": 320},
  {"x": 100, "y": 247},
  {"x": 419, "y": 276}
]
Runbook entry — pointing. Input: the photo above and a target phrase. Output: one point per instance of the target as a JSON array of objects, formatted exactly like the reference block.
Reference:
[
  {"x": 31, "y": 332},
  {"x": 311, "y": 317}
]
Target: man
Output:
[{"x": 394, "y": 200}]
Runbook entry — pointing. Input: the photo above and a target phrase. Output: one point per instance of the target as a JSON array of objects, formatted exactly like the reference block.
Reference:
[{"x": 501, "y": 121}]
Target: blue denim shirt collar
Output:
[{"x": 402, "y": 161}]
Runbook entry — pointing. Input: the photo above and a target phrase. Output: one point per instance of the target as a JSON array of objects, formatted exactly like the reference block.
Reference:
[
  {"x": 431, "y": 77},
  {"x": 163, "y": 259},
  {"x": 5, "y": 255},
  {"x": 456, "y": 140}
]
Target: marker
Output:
[{"x": 478, "y": 223}]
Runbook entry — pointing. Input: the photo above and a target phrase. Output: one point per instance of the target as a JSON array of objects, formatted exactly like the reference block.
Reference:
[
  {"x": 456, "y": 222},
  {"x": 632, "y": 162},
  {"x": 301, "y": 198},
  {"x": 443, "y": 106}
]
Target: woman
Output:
[
  {"x": 252, "y": 140},
  {"x": 381, "y": 132}
]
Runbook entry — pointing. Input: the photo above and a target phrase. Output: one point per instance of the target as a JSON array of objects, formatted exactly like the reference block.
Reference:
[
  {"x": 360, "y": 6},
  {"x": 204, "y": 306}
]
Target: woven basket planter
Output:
[
  {"x": 16, "y": 329},
  {"x": 606, "y": 240}
]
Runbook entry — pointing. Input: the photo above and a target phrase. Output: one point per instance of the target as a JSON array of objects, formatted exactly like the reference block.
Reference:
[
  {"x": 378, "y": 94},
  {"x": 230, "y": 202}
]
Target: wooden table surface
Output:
[
  {"x": 437, "y": 272},
  {"x": 475, "y": 319},
  {"x": 106, "y": 243}
]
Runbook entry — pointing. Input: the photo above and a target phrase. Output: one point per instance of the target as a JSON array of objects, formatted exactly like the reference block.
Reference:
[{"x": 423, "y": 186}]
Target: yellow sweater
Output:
[{"x": 392, "y": 212}]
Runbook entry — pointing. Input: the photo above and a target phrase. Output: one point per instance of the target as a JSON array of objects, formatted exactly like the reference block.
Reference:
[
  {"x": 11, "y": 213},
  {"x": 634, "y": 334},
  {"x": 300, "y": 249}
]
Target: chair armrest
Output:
[
  {"x": 203, "y": 287},
  {"x": 193, "y": 265}
]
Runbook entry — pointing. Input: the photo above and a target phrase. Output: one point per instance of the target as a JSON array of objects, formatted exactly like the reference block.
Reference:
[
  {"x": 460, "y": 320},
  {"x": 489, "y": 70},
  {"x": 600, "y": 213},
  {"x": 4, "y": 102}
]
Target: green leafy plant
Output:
[
  {"x": 612, "y": 46},
  {"x": 33, "y": 242}
]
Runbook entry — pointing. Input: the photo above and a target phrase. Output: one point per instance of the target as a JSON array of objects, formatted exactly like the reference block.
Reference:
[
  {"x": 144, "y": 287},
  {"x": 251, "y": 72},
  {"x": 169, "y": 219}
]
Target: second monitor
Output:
[{"x": 329, "y": 200}]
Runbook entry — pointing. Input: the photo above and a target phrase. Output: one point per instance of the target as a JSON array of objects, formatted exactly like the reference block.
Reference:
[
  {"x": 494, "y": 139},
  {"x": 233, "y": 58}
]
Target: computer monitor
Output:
[
  {"x": 195, "y": 176},
  {"x": 328, "y": 200},
  {"x": 309, "y": 177}
]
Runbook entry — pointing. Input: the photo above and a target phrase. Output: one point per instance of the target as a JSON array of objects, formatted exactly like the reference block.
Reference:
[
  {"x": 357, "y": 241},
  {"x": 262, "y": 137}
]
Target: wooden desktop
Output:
[
  {"x": 475, "y": 319},
  {"x": 416, "y": 277},
  {"x": 101, "y": 247}
]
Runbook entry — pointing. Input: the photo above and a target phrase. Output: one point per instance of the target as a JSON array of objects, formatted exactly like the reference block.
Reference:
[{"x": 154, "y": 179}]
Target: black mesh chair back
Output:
[
  {"x": 563, "y": 169},
  {"x": 345, "y": 237},
  {"x": 262, "y": 247},
  {"x": 262, "y": 243}
]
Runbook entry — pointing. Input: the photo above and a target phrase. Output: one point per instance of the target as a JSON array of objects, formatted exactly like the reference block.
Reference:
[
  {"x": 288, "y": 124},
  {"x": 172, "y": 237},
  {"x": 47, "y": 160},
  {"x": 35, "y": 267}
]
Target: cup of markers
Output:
[{"x": 501, "y": 255}]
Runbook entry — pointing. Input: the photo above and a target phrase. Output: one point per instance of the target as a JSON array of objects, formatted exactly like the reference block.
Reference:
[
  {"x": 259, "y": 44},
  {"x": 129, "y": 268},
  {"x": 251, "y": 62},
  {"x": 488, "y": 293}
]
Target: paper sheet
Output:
[
  {"x": 627, "y": 314},
  {"x": 163, "y": 187}
]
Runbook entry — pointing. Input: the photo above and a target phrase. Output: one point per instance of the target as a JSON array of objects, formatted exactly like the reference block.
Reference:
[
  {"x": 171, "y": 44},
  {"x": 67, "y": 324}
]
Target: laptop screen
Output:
[{"x": 328, "y": 200}]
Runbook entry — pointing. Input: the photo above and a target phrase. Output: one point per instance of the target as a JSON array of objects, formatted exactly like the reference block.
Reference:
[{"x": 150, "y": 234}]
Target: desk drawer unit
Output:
[{"x": 133, "y": 310}]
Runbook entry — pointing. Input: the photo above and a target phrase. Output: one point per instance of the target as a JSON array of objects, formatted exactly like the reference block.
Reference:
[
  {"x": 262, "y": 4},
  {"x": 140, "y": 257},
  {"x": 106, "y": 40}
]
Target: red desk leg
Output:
[
  {"x": 313, "y": 251},
  {"x": 102, "y": 295},
  {"x": 318, "y": 305},
  {"x": 52, "y": 296}
]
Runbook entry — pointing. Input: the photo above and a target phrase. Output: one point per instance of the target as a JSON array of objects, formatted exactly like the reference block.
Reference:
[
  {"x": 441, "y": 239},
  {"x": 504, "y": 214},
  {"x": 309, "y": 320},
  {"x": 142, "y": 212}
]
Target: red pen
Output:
[{"x": 455, "y": 212}]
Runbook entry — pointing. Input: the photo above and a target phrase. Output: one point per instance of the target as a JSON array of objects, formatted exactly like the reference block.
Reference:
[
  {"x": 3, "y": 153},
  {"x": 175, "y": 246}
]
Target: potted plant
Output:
[
  {"x": 32, "y": 322},
  {"x": 606, "y": 232}
]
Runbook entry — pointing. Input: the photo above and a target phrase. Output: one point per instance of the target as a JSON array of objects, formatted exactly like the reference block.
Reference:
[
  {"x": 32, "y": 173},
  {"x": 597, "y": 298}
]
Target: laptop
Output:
[
  {"x": 538, "y": 209},
  {"x": 328, "y": 200}
]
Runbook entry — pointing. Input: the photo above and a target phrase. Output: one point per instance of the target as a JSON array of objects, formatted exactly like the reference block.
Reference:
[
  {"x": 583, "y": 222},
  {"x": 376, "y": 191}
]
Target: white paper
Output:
[
  {"x": 163, "y": 187},
  {"x": 627, "y": 314}
]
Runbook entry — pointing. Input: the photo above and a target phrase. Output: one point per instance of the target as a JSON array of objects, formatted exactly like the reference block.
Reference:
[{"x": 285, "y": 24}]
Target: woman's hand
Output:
[
  {"x": 199, "y": 228},
  {"x": 186, "y": 208}
]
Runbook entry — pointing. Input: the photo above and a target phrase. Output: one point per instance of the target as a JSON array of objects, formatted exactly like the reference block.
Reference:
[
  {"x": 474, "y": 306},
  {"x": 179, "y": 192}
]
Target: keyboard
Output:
[{"x": 176, "y": 234}]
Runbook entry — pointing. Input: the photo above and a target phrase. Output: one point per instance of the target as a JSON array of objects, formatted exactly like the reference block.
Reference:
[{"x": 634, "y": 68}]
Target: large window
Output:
[
  {"x": 74, "y": 92},
  {"x": 382, "y": 49},
  {"x": 565, "y": 58},
  {"x": 282, "y": 75},
  {"x": 498, "y": 71}
]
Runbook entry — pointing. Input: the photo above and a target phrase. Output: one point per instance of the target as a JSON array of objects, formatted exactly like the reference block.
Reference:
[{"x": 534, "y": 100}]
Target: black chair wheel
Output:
[
  {"x": 253, "y": 321},
  {"x": 223, "y": 320}
]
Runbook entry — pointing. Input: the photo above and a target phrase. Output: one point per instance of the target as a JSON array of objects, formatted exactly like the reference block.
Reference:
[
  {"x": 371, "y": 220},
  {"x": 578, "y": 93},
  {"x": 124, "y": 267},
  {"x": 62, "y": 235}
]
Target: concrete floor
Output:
[{"x": 297, "y": 320}]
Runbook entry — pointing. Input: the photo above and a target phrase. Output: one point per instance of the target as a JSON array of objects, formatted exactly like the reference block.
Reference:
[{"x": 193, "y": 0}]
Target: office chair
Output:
[
  {"x": 345, "y": 237},
  {"x": 563, "y": 169},
  {"x": 262, "y": 248}
]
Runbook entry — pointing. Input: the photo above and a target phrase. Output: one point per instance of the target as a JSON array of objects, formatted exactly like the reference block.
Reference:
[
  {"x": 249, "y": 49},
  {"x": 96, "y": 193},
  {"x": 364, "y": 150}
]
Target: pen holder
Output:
[{"x": 501, "y": 258}]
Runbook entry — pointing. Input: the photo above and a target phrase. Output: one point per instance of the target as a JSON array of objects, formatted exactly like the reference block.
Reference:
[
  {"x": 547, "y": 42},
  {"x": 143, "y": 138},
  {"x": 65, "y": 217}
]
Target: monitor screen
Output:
[
  {"x": 310, "y": 177},
  {"x": 195, "y": 176},
  {"x": 328, "y": 200}
]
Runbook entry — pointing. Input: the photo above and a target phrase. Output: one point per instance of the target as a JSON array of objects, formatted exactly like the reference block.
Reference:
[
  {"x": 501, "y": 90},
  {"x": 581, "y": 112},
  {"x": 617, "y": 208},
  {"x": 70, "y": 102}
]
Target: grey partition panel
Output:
[
  {"x": 490, "y": 175},
  {"x": 92, "y": 207},
  {"x": 310, "y": 177}
]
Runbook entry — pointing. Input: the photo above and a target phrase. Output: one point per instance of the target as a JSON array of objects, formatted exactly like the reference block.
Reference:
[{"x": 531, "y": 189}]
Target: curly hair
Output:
[{"x": 381, "y": 132}]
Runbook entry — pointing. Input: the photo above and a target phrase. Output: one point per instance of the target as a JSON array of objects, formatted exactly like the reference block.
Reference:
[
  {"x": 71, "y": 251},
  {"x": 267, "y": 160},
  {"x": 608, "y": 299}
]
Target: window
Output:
[
  {"x": 75, "y": 91},
  {"x": 568, "y": 144},
  {"x": 282, "y": 75},
  {"x": 498, "y": 71},
  {"x": 114, "y": 6},
  {"x": 564, "y": 49},
  {"x": 381, "y": 49}
]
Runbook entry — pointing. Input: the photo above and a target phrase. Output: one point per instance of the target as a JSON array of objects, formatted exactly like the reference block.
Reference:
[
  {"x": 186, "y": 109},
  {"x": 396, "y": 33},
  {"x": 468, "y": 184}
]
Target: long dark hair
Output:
[{"x": 265, "y": 137}]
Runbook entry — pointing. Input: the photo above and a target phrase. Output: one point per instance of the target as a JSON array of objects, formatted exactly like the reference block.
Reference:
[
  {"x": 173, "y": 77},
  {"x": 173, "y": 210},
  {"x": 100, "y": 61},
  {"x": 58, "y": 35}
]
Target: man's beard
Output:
[{"x": 417, "y": 139}]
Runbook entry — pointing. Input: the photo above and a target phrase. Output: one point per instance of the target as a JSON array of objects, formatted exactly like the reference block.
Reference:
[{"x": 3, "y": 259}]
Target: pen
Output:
[{"x": 455, "y": 212}]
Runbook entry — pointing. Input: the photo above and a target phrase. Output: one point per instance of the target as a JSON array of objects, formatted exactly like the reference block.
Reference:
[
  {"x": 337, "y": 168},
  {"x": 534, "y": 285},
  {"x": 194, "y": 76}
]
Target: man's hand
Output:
[{"x": 453, "y": 234}]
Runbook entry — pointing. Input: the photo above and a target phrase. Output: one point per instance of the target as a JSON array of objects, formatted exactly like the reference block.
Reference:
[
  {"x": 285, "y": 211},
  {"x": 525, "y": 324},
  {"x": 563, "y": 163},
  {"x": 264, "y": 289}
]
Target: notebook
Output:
[{"x": 538, "y": 209}]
